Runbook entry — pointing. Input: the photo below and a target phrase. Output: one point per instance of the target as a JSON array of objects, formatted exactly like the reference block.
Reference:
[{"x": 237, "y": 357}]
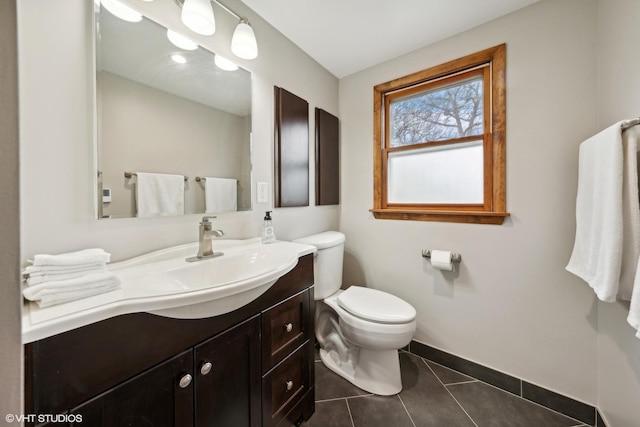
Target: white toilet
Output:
[{"x": 359, "y": 329}]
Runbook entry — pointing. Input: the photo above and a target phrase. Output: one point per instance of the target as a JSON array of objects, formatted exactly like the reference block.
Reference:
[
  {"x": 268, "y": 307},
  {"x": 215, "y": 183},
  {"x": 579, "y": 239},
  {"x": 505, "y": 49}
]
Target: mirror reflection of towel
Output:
[
  {"x": 159, "y": 194},
  {"x": 221, "y": 195}
]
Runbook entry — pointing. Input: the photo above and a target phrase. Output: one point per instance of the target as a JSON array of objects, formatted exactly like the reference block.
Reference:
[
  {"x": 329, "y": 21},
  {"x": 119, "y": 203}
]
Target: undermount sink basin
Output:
[{"x": 164, "y": 283}]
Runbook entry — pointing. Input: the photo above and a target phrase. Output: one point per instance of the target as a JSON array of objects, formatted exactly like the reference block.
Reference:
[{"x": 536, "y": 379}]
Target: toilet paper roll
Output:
[{"x": 442, "y": 260}]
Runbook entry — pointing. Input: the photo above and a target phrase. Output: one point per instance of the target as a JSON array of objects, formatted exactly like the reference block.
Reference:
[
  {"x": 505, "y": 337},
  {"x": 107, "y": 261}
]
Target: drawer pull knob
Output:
[
  {"x": 289, "y": 385},
  {"x": 206, "y": 368},
  {"x": 288, "y": 327},
  {"x": 185, "y": 381}
]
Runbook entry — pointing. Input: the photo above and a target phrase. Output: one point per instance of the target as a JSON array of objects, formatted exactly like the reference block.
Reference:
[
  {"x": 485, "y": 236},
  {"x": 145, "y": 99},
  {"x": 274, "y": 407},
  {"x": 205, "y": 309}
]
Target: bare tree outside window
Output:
[{"x": 446, "y": 113}]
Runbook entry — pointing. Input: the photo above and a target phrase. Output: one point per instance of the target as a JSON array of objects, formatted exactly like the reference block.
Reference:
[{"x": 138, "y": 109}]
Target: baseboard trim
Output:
[{"x": 565, "y": 405}]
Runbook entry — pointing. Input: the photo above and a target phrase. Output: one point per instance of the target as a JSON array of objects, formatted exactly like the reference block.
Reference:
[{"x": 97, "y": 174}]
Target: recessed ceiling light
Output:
[
  {"x": 179, "y": 58},
  {"x": 224, "y": 64},
  {"x": 181, "y": 41}
]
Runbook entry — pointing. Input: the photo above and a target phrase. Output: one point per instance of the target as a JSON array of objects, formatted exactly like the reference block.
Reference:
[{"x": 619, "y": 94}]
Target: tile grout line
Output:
[
  {"x": 580, "y": 423},
  {"x": 460, "y": 382},
  {"x": 427, "y": 361},
  {"x": 450, "y": 394},
  {"x": 406, "y": 410},
  {"x": 346, "y": 401},
  {"x": 521, "y": 393},
  {"x": 333, "y": 399}
]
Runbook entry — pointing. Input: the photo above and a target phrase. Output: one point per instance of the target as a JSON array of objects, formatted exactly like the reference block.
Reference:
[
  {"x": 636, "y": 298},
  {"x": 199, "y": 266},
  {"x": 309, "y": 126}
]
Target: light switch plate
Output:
[{"x": 262, "y": 192}]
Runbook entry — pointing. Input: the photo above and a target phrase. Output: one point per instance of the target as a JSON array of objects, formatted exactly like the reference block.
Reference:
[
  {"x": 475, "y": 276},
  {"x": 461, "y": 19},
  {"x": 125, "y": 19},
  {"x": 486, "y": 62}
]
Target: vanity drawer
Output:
[
  {"x": 284, "y": 328},
  {"x": 283, "y": 386}
]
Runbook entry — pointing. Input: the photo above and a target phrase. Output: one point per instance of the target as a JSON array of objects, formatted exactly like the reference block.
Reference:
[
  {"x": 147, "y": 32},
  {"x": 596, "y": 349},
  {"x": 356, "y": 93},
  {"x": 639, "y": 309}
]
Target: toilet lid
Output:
[{"x": 375, "y": 305}]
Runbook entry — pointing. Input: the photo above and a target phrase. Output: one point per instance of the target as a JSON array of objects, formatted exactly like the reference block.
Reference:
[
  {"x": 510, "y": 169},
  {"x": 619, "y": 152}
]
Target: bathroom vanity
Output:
[{"x": 252, "y": 366}]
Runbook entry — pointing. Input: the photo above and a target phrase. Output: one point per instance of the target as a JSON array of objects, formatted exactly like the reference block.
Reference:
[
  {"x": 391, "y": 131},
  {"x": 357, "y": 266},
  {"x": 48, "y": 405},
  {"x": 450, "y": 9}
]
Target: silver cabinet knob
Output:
[
  {"x": 289, "y": 385},
  {"x": 185, "y": 381},
  {"x": 288, "y": 327},
  {"x": 205, "y": 368}
]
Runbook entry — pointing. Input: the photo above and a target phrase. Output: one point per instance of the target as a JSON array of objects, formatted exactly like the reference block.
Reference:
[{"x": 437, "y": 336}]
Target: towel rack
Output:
[
  {"x": 203, "y": 179},
  {"x": 630, "y": 123},
  {"x": 132, "y": 174}
]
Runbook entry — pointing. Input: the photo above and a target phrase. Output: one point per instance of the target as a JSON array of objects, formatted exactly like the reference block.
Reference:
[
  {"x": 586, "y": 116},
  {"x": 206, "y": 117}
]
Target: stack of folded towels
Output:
[{"x": 55, "y": 279}]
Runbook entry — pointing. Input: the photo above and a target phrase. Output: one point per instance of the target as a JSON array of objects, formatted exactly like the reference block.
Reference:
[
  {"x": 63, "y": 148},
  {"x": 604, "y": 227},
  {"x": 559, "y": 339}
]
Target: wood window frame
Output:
[{"x": 491, "y": 63}]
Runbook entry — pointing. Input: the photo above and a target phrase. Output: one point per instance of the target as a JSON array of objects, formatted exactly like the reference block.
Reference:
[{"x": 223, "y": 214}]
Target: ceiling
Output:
[
  {"x": 142, "y": 53},
  {"x": 347, "y": 36}
]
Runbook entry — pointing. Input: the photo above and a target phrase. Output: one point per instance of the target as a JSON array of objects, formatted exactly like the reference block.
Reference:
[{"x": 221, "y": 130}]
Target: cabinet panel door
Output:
[
  {"x": 228, "y": 390},
  {"x": 327, "y": 158},
  {"x": 291, "y": 158},
  {"x": 154, "y": 398}
]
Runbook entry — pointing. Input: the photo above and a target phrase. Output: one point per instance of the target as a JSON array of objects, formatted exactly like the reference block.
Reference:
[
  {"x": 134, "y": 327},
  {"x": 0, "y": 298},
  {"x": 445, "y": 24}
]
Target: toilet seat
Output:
[{"x": 376, "y": 306}]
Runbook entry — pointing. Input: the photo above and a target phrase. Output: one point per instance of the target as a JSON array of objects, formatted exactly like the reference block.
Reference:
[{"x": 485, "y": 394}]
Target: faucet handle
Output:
[{"x": 205, "y": 219}]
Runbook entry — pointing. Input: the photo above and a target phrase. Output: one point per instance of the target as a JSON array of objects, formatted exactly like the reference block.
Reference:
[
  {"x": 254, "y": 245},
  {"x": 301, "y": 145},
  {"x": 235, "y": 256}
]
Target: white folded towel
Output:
[
  {"x": 44, "y": 276},
  {"x": 159, "y": 194},
  {"x": 78, "y": 258},
  {"x": 597, "y": 251},
  {"x": 42, "y": 270},
  {"x": 57, "y": 292},
  {"x": 221, "y": 195}
]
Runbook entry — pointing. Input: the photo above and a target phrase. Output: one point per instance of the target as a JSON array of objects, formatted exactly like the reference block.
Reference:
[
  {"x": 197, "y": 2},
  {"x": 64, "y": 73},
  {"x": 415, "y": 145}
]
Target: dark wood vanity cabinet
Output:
[{"x": 251, "y": 367}]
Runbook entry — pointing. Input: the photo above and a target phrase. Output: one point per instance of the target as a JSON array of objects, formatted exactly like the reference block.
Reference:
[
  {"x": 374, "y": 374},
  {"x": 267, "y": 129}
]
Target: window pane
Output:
[
  {"x": 443, "y": 174},
  {"x": 447, "y": 112}
]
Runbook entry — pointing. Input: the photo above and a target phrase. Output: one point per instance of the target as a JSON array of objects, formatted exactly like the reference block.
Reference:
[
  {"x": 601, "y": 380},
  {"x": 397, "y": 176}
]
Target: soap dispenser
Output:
[{"x": 268, "y": 235}]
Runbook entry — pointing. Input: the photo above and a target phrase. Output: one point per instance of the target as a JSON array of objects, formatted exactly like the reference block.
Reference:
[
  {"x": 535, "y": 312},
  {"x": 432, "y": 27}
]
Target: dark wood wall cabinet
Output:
[
  {"x": 327, "y": 158},
  {"x": 291, "y": 157},
  {"x": 251, "y": 367}
]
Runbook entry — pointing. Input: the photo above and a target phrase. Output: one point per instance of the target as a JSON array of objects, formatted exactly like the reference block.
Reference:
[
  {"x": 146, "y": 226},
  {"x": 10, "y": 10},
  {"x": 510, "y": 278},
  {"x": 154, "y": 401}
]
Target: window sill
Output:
[{"x": 470, "y": 217}]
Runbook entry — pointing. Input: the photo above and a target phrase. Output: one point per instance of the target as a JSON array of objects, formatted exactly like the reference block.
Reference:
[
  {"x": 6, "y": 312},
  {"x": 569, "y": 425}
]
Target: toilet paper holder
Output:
[{"x": 455, "y": 257}]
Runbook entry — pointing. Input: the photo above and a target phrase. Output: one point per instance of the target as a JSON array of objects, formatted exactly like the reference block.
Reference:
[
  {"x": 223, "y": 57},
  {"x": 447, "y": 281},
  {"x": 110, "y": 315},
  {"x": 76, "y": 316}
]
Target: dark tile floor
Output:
[{"x": 432, "y": 396}]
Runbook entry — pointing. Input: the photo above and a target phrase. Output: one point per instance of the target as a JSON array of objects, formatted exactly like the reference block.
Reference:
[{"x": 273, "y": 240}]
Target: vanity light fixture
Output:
[
  {"x": 225, "y": 64},
  {"x": 197, "y": 15},
  {"x": 121, "y": 10},
  {"x": 243, "y": 43},
  {"x": 181, "y": 41}
]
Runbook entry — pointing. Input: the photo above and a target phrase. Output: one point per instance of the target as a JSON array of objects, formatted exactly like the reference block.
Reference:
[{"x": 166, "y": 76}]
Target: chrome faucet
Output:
[{"x": 205, "y": 249}]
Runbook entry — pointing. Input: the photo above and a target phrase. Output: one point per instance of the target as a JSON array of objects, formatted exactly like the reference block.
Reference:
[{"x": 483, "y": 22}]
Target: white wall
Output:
[
  {"x": 146, "y": 129},
  {"x": 10, "y": 341},
  {"x": 56, "y": 132},
  {"x": 511, "y": 306},
  {"x": 618, "y": 89}
]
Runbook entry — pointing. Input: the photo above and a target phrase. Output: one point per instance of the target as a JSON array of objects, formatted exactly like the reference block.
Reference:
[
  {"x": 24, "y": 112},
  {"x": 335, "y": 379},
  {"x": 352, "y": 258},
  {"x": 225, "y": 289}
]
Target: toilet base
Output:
[{"x": 375, "y": 371}]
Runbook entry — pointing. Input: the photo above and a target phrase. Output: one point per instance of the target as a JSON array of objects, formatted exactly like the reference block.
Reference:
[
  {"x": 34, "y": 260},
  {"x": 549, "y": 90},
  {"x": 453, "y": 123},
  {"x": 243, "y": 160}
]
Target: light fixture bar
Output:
[{"x": 227, "y": 9}]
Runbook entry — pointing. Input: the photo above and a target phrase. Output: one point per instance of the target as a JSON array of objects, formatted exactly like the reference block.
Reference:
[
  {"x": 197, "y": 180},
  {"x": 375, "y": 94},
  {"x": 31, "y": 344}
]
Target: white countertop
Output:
[{"x": 138, "y": 292}]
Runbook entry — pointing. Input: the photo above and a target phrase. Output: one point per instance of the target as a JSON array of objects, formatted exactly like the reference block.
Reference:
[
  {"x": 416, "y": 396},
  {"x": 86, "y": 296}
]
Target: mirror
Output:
[{"x": 155, "y": 115}]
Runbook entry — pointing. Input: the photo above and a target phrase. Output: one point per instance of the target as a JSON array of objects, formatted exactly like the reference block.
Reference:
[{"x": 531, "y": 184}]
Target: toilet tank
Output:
[{"x": 327, "y": 261}]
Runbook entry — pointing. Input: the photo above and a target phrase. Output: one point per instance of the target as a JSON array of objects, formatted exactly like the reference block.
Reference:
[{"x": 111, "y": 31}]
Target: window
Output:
[{"x": 439, "y": 138}]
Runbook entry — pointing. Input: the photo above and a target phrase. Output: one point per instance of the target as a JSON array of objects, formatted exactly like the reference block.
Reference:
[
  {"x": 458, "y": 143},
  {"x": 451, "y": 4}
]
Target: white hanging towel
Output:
[
  {"x": 634, "y": 307},
  {"x": 630, "y": 214},
  {"x": 159, "y": 194},
  {"x": 221, "y": 195},
  {"x": 607, "y": 244},
  {"x": 597, "y": 250}
]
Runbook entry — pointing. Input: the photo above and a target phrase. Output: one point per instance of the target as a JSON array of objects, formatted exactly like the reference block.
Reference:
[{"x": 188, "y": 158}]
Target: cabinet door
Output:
[
  {"x": 227, "y": 370},
  {"x": 159, "y": 397},
  {"x": 291, "y": 143}
]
